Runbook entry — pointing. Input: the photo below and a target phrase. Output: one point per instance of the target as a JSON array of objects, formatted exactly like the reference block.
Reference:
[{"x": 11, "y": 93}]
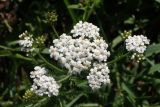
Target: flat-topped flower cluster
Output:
[
  {"x": 43, "y": 84},
  {"x": 98, "y": 75},
  {"x": 85, "y": 29},
  {"x": 138, "y": 45},
  {"x": 78, "y": 52}
]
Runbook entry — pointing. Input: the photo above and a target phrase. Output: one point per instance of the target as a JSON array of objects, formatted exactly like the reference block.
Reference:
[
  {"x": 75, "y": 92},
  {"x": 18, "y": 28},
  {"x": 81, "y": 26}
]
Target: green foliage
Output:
[{"x": 153, "y": 49}]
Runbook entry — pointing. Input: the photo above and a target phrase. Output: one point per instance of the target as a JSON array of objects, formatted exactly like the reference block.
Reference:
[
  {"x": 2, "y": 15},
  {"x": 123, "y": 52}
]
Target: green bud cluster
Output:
[
  {"x": 138, "y": 57},
  {"x": 126, "y": 34},
  {"x": 51, "y": 17},
  {"x": 30, "y": 96},
  {"x": 40, "y": 40}
]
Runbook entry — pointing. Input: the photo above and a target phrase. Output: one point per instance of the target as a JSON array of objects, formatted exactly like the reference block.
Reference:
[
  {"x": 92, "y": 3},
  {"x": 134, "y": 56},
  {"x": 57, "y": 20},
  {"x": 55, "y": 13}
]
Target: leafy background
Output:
[{"x": 133, "y": 84}]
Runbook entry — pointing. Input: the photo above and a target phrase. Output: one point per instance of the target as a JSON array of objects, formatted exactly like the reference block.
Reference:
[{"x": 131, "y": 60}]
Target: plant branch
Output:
[
  {"x": 74, "y": 100},
  {"x": 70, "y": 11},
  {"x": 56, "y": 33},
  {"x": 6, "y": 48},
  {"x": 49, "y": 64},
  {"x": 65, "y": 78},
  {"x": 119, "y": 58},
  {"x": 85, "y": 12},
  {"x": 91, "y": 10}
]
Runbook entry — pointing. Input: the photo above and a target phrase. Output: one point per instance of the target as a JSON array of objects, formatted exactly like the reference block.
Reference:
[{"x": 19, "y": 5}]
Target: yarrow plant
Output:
[
  {"x": 74, "y": 53},
  {"x": 82, "y": 50}
]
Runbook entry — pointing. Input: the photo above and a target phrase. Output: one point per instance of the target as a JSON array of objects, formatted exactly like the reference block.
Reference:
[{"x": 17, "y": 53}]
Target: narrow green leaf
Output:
[
  {"x": 49, "y": 64},
  {"x": 154, "y": 68},
  {"x": 76, "y": 6},
  {"x": 64, "y": 78},
  {"x": 6, "y": 103},
  {"x": 74, "y": 100},
  {"x": 131, "y": 96},
  {"x": 157, "y": 1},
  {"x": 31, "y": 105},
  {"x": 4, "y": 53},
  {"x": 5, "y": 48},
  {"x": 128, "y": 90},
  {"x": 156, "y": 82},
  {"x": 88, "y": 105},
  {"x": 71, "y": 12},
  {"x": 116, "y": 41},
  {"x": 130, "y": 20},
  {"x": 41, "y": 102},
  {"x": 12, "y": 43},
  {"x": 83, "y": 84},
  {"x": 23, "y": 57},
  {"x": 45, "y": 51},
  {"x": 154, "y": 48}
]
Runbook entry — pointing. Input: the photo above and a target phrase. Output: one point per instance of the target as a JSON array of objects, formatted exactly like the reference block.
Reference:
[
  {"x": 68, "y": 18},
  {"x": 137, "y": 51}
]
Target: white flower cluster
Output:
[
  {"x": 85, "y": 30},
  {"x": 98, "y": 75},
  {"x": 43, "y": 84},
  {"x": 73, "y": 54},
  {"x": 137, "y": 43},
  {"x": 78, "y": 52},
  {"x": 99, "y": 50},
  {"x": 26, "y": 41}
]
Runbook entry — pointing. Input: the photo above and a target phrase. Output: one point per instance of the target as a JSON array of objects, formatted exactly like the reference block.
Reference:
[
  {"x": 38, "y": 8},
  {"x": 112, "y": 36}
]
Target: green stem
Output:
[
  {"x": 101, "y": 27},
  {"x": 118, "y": 81},
  {"x": 65, "y": 78},
  {"x": 8, "y": 26},
  {"x": 56, "y": 33},
  {"x": 119, "y": 87},
  {"x": 6, "y": 48},
  {"x": 41, "y": 102},
  {"x": 119, "y": 58},
  {"x": 24, "y": 58},
  {"x": 61, "y": 105},
  {"x": 17, "y": 55},
  {"x": 85, "y": 12},
  {"x": 74, "y": 100},
  {"x": 49, "y": 64},
  {"x": 150, "y": 62},
  {"x": 70, "y": 11},
  {"x": 91, "y": 10}
]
